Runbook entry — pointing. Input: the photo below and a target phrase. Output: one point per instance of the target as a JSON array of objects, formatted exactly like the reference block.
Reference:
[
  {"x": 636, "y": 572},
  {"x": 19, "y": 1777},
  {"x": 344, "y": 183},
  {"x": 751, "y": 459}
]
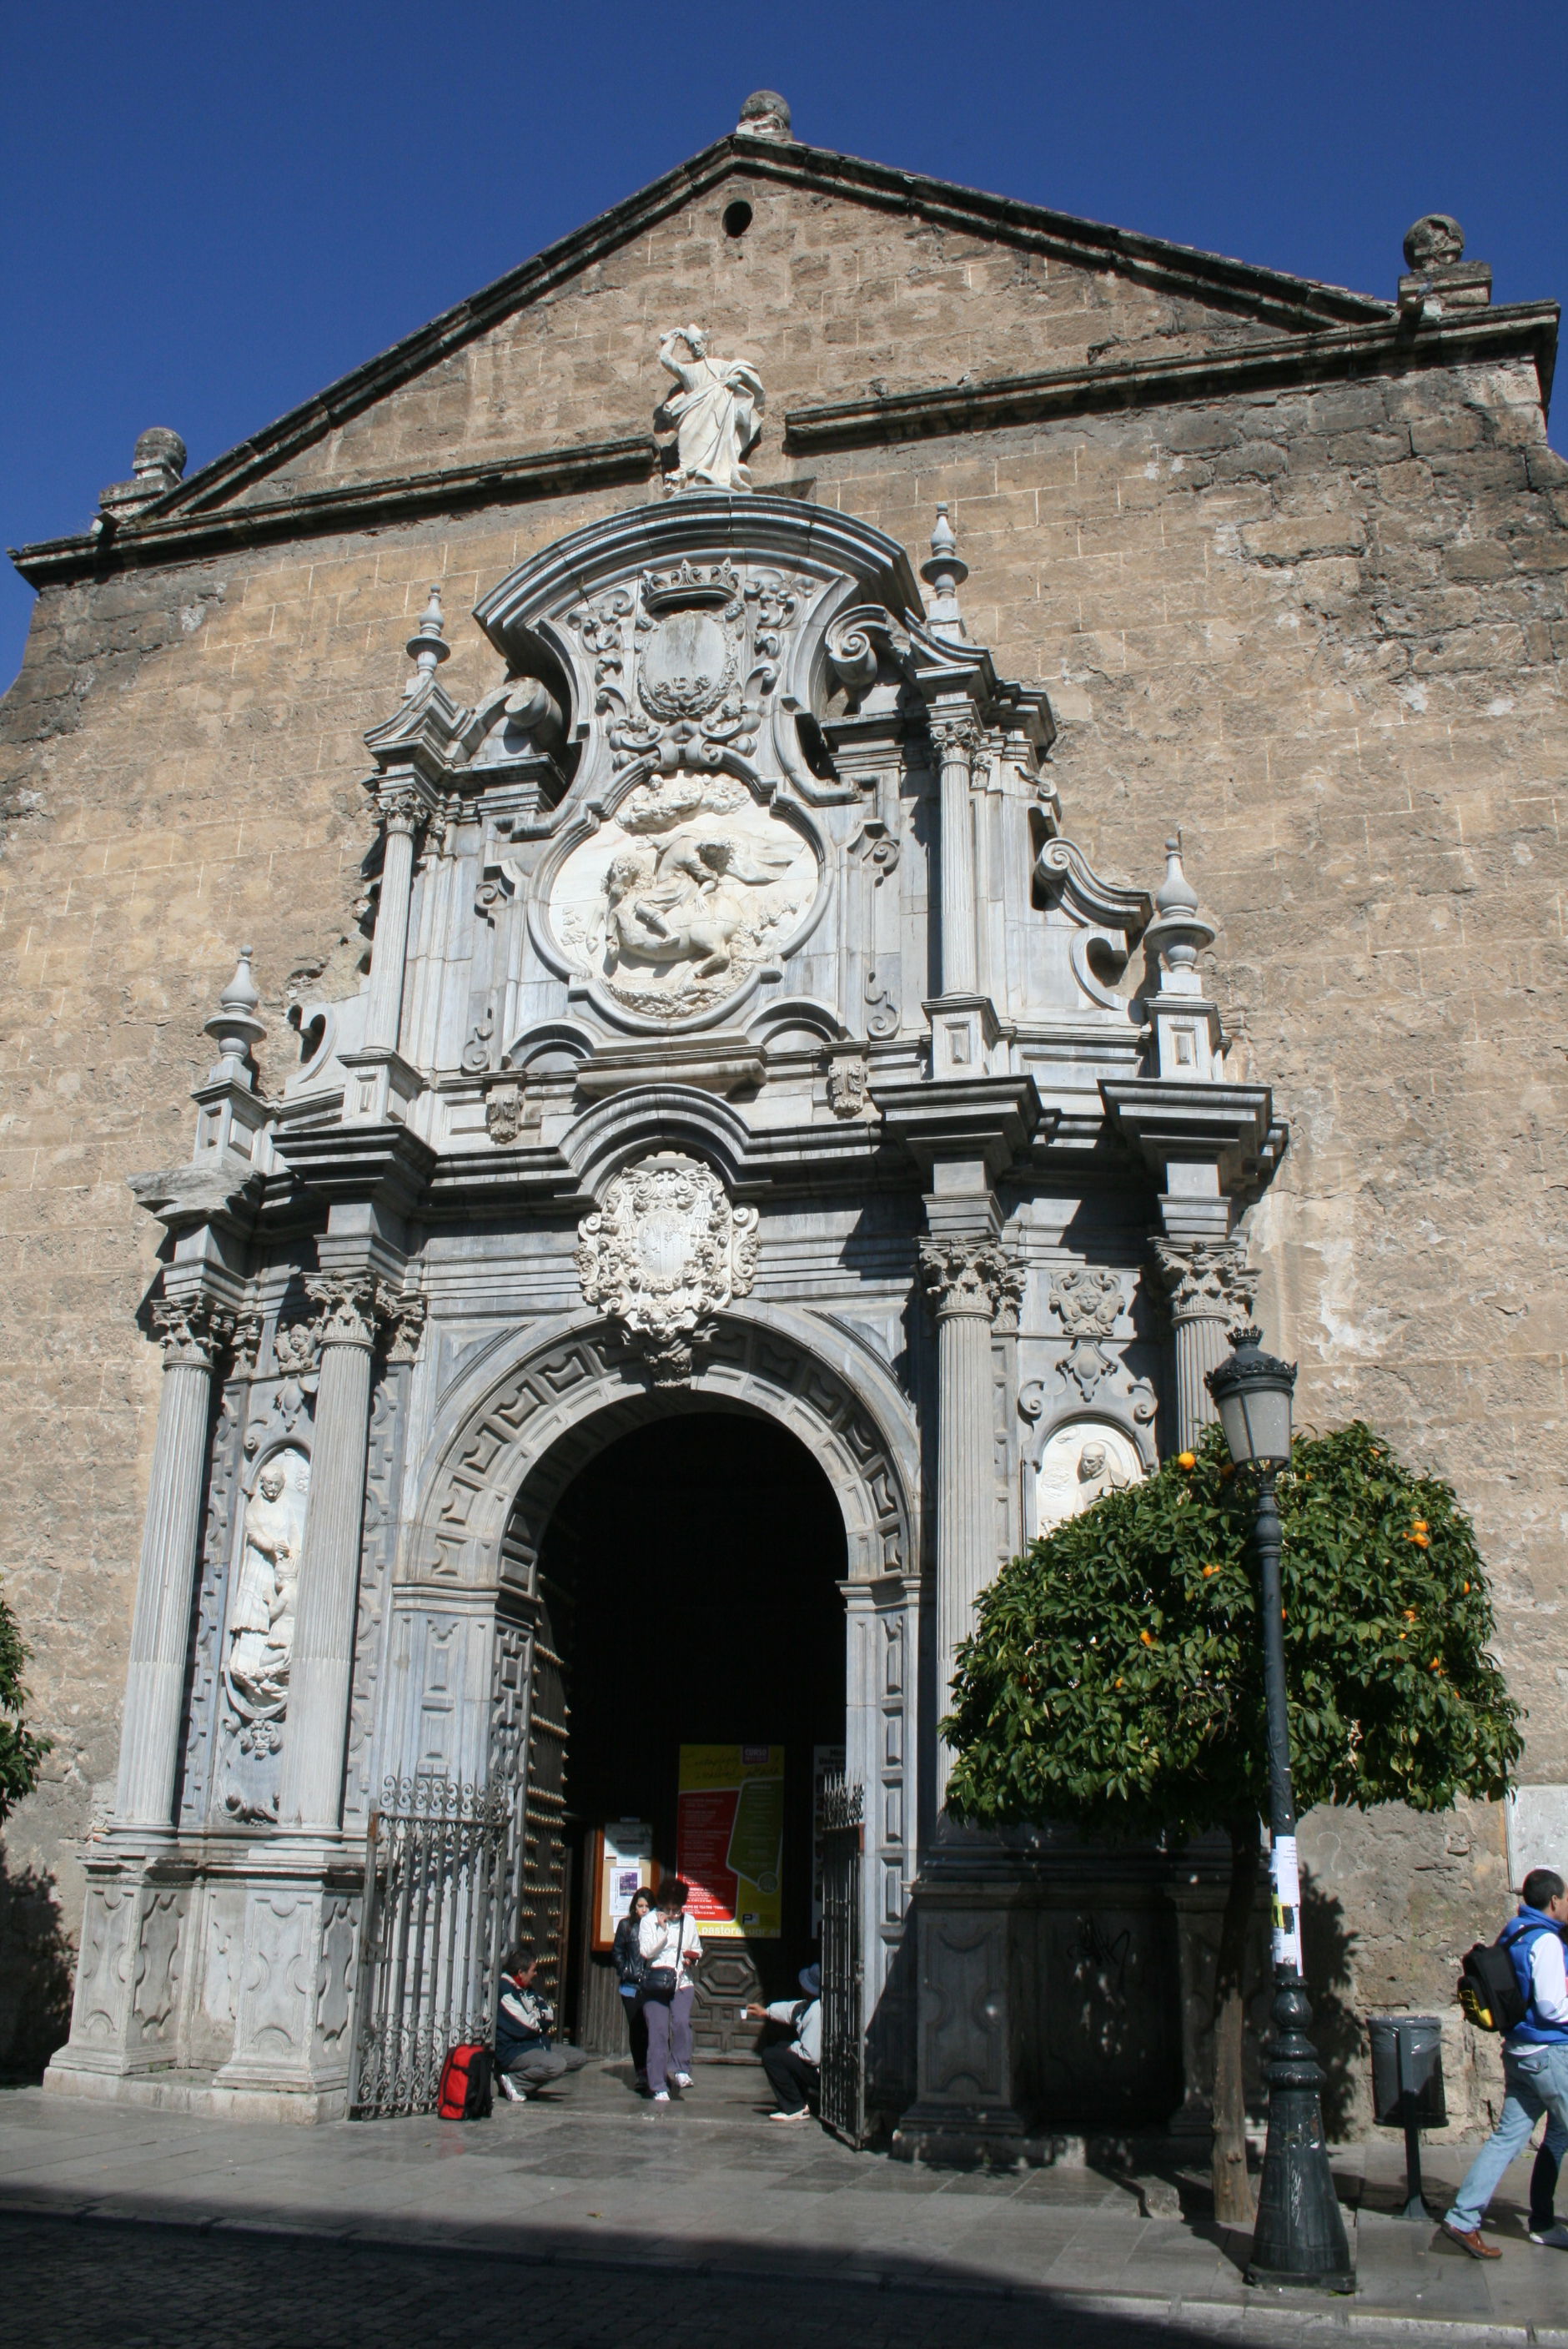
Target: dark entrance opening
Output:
[{"x": 690, "y": 1579}]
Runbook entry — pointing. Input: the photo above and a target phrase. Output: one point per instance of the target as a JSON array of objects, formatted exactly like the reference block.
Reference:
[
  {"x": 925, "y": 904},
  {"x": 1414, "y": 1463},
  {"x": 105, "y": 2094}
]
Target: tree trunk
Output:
[{"x": 1234, "y": 2204}]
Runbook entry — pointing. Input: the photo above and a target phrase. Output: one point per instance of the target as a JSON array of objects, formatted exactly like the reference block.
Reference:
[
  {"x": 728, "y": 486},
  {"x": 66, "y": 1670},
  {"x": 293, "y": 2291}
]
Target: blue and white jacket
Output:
[{"x": 1535, "y": 1945}]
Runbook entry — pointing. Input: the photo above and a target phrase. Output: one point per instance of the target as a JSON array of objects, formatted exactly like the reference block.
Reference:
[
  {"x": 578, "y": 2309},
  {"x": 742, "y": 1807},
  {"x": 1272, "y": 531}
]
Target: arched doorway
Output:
[{"x": 689, "y": 1581}]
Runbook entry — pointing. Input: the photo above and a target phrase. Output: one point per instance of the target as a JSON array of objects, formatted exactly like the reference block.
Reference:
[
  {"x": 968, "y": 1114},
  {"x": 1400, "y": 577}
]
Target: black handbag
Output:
[{"x": 660, "y": 1983}]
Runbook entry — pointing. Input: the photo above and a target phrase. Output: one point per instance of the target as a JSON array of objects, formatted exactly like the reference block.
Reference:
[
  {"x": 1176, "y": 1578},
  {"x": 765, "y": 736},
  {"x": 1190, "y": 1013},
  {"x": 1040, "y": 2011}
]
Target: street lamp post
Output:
[{"x": 1300, "y": 2235}]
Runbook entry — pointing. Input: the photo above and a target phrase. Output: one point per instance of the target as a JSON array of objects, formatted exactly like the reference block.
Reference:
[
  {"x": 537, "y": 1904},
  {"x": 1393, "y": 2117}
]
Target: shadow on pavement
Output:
[{"x": 120, "y": 2283}]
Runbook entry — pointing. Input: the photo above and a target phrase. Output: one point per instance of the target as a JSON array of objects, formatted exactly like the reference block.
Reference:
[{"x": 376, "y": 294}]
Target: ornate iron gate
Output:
[
  {"x": 438, "y": 1900},
  {"x": 843, "y": 2088}
]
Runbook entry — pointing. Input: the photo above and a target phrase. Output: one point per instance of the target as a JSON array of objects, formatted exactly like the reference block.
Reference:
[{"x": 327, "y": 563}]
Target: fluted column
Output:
[
  {"x": 383, "y": 1013},
  {"x": 1208, "y": 1286},
  {"x": 968, "y": 1283},
  {"x": 956, "y": 740},
  {"x": 309, "y": 1793},
  {"x": 160, "y": 1628}
]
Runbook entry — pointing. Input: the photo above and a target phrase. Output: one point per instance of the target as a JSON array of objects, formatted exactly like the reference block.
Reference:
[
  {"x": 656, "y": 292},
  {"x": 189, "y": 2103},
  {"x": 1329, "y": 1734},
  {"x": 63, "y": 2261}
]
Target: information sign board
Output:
[{"x": 729, "y": 1839}]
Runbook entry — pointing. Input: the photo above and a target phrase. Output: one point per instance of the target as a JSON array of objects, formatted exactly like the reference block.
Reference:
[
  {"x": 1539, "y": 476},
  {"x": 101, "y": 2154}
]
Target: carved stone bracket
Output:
[
  {"x": 508, "y": 1110},
  {"x": 403, "y": 1321},
  {"x": 849, "y": 1081},
  {"x": 663, "y": 1254},
  {"x": 978, "y": 1280},
  {"x": 193, "y": 1330}
]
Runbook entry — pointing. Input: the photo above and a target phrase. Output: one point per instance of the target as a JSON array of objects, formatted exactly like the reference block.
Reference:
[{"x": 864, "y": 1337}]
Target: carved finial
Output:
[
  {"x": 765, "y": 115},
  {"x": 1438, "y": 276},
  {"x": 235, "y": 1026},
  {"x": 946, "y": 572},
  {"x": 1436, "y": 238},
  {"x": 1175, "y": 893},
  {"x": 428, "y": 648},
  {"x": 1179, "y": 932},
  {"x": 157, "y": 467}
]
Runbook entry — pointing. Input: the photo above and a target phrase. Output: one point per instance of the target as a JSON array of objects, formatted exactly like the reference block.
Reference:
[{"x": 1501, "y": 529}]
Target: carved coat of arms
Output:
[{"x": 665, "y": 1252}]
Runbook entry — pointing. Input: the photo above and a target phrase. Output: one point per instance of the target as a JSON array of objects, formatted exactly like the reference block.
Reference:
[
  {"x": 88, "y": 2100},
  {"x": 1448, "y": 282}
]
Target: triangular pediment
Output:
[{"x": 849, "y": 282}]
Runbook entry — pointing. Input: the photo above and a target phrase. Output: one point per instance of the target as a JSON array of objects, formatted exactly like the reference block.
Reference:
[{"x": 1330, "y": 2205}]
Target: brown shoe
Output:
[{"x": 1474, "y": 2242}]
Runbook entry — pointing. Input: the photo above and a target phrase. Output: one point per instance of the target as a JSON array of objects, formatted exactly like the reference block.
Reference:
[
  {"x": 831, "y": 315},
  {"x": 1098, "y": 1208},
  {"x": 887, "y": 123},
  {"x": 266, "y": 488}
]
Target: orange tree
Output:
[
  {"x": 21, "y": 1750},
  {"x": 1114, "y": 1678}
]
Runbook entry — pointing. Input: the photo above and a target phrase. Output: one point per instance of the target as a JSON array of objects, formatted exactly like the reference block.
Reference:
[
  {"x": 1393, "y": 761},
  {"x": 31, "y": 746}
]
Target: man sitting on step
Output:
[{"x": 525, "y": 2030}]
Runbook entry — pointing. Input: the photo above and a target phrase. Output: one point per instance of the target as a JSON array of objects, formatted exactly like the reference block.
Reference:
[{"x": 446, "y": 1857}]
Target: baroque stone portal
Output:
[
  {"x": 676, "y": 900},
  {"x": 663, "y": 1253}
]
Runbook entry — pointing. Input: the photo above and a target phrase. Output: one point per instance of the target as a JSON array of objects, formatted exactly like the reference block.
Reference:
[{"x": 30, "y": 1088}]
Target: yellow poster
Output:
[{"x": 729, "y": 1839}]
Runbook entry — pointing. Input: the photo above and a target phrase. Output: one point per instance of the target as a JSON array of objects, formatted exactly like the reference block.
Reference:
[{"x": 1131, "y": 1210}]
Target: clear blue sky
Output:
[{"x": 212, "y": 210}]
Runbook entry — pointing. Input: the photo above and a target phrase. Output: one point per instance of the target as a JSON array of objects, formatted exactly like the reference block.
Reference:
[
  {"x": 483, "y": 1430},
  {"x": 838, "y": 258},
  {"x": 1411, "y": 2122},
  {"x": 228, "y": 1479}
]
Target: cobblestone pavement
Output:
[
  {"x": 118, "y": 2285},
  {"x": 594, "y": 2220}
]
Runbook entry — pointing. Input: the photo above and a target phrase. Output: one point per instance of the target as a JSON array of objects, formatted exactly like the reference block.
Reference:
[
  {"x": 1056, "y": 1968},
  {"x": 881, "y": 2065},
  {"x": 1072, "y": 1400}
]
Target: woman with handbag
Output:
[
  {"x": 627, "y": 1960},
  {"x": 670, "y": 1947}
]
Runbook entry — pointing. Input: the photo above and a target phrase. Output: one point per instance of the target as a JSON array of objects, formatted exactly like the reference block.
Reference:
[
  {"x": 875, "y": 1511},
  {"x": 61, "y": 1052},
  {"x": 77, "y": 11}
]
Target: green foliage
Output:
[
  {"x": 21, "y": 1751},
  {"x": 1115, "y": 1674}
]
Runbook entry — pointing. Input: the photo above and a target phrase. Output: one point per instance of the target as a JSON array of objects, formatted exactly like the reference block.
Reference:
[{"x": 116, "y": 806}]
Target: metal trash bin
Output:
[{"x": 1407, "y": 2088}]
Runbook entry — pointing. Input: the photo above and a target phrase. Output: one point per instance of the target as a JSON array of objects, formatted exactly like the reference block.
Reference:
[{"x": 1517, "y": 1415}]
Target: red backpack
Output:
[{"x": 465, "y": 2092}]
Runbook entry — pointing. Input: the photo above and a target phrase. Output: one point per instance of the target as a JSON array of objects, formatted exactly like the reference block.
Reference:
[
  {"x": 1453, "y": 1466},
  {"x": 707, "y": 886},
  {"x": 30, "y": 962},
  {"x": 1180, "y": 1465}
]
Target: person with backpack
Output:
[
  {"x": 1528, "y": 2001},
  {"x": 795, "y": 2069},
  {"x": 626, "y": 1957},
  {"x": 525, "y": 2051},
  {"x": 669, "y": 1946}
]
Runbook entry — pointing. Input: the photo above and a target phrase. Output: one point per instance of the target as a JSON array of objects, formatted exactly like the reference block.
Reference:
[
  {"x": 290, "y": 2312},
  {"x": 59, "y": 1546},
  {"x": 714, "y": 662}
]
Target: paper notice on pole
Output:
[
  {"x": 729, "y": 1839},
  {"x": 1284, "y": 1879}
]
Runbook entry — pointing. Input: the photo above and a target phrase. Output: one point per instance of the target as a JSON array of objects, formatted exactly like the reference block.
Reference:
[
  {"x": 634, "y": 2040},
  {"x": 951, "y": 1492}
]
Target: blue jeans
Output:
[{"x": 1536, "y": 2080}]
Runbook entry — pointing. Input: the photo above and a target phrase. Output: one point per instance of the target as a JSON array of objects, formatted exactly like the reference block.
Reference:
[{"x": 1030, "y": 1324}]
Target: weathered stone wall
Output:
[
  {"x": 1316, "y": 631},
  {"x": 832, "y": 300}
]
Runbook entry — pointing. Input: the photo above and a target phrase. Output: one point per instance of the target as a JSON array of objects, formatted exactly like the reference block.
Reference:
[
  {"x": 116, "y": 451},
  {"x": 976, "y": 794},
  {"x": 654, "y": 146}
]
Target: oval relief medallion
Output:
[{"x": 676, "y": 900}]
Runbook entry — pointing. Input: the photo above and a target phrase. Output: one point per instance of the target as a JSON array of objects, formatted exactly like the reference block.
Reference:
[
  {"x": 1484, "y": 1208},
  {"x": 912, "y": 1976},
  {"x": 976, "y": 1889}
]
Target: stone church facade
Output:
[{"x": 1019, "y": 822}]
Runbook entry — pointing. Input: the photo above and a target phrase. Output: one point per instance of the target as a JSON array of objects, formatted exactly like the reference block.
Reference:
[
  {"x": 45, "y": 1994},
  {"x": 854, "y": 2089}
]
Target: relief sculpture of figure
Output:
[
  {"x": 716, "y": 413},
  {"x": 691, "y": 906},
  {"x": 261, "y": 1626},
  {"x": 1099, "y": 1474}
]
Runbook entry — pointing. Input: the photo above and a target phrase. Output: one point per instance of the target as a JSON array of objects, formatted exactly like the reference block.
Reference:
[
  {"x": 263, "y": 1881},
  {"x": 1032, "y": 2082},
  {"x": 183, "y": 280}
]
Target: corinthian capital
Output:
[
  {"x": 973, "y": 1277},
  {"x": 402, "y": 810},
  {"x": 1206, "y": 1280},
  {"x": 957, "y": 737},
  {"x": 347, "y": 1305},
  {"x": 192, "y": 1330}
]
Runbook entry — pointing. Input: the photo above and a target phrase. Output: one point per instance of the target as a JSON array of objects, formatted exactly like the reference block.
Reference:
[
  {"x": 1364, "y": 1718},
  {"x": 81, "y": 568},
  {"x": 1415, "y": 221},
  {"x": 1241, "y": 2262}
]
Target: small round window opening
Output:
[{"x": 736, "y": 217}]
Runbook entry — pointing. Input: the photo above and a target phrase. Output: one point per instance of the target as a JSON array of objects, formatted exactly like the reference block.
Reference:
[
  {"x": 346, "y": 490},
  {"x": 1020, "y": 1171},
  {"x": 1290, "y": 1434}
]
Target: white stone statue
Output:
[
  {"x": 1082, "y": 1462},
  {"x": 716, "y": 413},
  {"x": 262, "y": 1622}
]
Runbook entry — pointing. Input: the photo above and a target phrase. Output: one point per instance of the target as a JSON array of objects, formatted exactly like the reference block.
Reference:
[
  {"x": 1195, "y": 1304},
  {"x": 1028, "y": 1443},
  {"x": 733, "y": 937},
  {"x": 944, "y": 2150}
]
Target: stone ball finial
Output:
[
  {"x": 1436, "y": 241},
  {"x": 765, "y": 115},
  {"x": 160, "y": 450}
]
